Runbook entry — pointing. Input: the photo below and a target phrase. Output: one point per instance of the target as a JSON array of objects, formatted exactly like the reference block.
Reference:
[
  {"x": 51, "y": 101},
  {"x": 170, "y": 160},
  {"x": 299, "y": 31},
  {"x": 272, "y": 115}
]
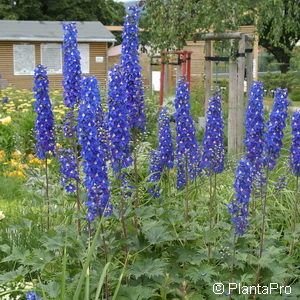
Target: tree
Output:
[
  {"x": 171, "y": 22},
  {"x": 106, "y": 11}
]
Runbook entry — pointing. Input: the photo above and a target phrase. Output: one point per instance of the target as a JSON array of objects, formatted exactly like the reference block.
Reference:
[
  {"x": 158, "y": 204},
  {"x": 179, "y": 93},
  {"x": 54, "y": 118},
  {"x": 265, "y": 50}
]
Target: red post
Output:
[
  {"x": 189, "y": 58},
  {"x": 162, "y": 81},
  {"x": 184, "y": 64}
]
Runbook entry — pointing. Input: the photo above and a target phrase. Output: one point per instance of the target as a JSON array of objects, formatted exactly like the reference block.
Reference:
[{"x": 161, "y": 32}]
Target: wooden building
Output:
[{"x": 24, "y": 44}]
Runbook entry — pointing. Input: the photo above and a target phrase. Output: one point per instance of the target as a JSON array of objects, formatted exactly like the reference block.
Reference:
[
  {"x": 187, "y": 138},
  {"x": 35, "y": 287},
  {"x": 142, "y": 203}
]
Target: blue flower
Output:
[
  {"x": 187, "y": 147},
  {"x": 33, "y": 296},
  {"x": 68, "y": 169},
  {"x": 165, "y": 143},
  {"x": 295, "y": 147},
  {"x": 155, "y": 170},
  {"x": 5, "y": 100},
  {"x": 164, "y": 156},
  {"x": 239, "y": 207},
  {"x": 117, "y": 122},
  {"x": 71, "y": 67},
  {"x": 94, "y": 164},
  {"x": 132, "y": 70},
  {"x": 255, "y": 127},
  {"x": 275, "y": 127},
  {"x": 213, "y": 141},
  {"x": 44, "y": 123},
  {"x": 69, "y": 124}
]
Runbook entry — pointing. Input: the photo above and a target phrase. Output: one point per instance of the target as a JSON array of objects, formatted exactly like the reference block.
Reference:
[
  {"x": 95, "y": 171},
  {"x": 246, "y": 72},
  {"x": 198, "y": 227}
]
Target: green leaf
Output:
[
  {"x": 157, "y": 233},
  {"x": 148, "y": 267}
]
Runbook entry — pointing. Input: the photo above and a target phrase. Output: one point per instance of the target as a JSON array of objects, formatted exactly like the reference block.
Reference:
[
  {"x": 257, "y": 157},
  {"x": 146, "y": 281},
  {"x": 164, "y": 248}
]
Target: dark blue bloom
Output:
[
  {"x": 44, "y": 123},
  {"x": 71, "y": 67},
  {"x": 239, "y": 207},
  {"x": 164, "y": 156},
  {"x": 155, "y": 170},
  {"x": 187, "y": 147},
  {"x": 68, "y": 169},
  {"x": 295, "y": 147},
  {"x": 69, "y": 124},
  {"x": 93, "y": 155},
  {"x": 117, "y": 120},
  {"x": 255, "y": 127},
  {"x": 132, "y": 70},
  {"x": 275, "y": 127},
  {"x": 165, "y": 146},
  {"x": 33, "y": 296},
  {"x": 5, "y": 100},
  {"x": 213, "y": 141}
]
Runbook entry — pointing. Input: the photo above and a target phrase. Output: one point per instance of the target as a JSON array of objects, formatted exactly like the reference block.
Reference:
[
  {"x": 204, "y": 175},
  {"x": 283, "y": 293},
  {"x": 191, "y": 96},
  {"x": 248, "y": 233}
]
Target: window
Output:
[
  {"x": 84, "y": 50},
  {"x": 51, "y": 57},
  {"x": 24, "y": 59}
]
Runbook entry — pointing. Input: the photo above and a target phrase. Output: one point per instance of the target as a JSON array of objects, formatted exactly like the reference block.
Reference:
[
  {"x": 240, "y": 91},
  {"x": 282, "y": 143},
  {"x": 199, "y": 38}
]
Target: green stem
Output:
[
  {"x": 263, "y": 227},
  {"x": 106, "y": 252},
  {"x": 295, "y": 217},
  {"x": 47, "y": 193},
  {"x": 210, "y": 212},
  {"x": 233, "y": 258},
  {"x": 186, "y": 199}
]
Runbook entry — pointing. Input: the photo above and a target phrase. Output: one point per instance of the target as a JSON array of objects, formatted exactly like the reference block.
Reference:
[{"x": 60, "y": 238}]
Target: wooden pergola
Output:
[{"x": 243, "y": 64}]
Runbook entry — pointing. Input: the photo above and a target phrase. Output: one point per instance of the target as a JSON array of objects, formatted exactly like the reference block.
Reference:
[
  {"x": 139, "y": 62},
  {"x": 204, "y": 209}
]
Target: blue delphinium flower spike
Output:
[
  {"x": 275, "y": 127},
  {"x": 213, "y": 142},
  {"x": 33, "y": 296},
  {"x": 155, "y": 170},
  {"x": 164, "y": 156},
  {"x": 165, "y": 143},
  {"x": 255, "y": 127},
  {"x": 295, "y": 147},
  {"x": 68, "y": 169},
  {"x": 71, "y": 66},
  {"x": 94, "y": 164},
  {"x": 239, "y": 207},
  {"x": 187, "y": 147},
  {"x": 117, "y": 122},
  {"x": 44, "y": 124},
  {"x": 132, "y": 70}
]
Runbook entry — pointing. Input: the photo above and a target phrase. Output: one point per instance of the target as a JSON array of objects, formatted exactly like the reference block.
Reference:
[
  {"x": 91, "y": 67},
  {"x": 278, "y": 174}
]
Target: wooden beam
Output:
[
  {"x": 224, "y": 36},
  {"x": 249, "y": 64},
  {"x": 208, "y": 72},
  {"x": 240, "y": 94},
  {"x": 232, "y": 109}
]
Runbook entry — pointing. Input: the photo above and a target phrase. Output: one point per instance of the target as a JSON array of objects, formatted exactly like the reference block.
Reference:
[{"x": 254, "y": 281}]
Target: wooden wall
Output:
[{"x": 26, "y": 81}]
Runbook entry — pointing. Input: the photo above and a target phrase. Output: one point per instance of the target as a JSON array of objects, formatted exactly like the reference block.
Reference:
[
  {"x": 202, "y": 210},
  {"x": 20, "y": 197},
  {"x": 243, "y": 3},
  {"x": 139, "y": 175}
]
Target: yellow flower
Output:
[
  {"x": 2, "y": 155},
  {"x": 35, "y": 160},
  {"x": 2, "y": 216},
  {"x": 17, "y": 154},
  {"x": 5, "y": 121},
  {"x": 58, "y": 145}
]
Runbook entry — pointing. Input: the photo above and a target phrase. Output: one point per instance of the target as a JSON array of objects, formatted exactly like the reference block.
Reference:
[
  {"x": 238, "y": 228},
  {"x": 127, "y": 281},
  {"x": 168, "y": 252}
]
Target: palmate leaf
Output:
[
  {"x": 17, "y": 255},
  {"x": 16, "y": 275},
  {"x": 148, "y": 267},
  {"x": 138, "y": 292},
  {"x": 156, "y": 233},
  {"x": 204, "y": 272}
]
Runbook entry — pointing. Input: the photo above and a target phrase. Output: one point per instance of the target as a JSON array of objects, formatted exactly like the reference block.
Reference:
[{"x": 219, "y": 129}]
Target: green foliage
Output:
[
  {"x": 288, "y": 80},
  {"x": 108, "y": 12}
]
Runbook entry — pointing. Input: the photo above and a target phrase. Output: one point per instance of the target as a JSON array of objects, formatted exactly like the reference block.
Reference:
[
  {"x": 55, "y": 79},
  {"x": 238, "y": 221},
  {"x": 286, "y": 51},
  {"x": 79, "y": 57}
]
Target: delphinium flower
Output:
[
  {"x": 187, "y": 147},
  {"x": 275, "y": 127},
  {"x": 213, "y": 141},
  {"x": 68, "y": 169},
  {"x": 280, "y": 185},
  {"x": 94, "y": 164},
  {"x": 295, "y": 147},
  {"x": 255, "y": 127},
  {"x": 69, "y": 124},
  {"x": 164, "y": 156},
  {"x": 239, "y": 207},
  {"x": 33, "y": 296},
  {"x": 44, "y": 124},
  {"x": 132, "y": 69},
  {"x": 71, "y": 67},
  {"x": 165, "y": 143},
  {"x": 118, "y": 126},
  {"x": 155, "y": 170},
  {"x": 5, "y": 100},
  {"x": 295, "y": 167}
]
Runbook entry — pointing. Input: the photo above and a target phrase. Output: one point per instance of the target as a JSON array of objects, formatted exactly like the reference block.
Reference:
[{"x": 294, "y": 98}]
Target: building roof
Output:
[{"x": 92, "y": 31}]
